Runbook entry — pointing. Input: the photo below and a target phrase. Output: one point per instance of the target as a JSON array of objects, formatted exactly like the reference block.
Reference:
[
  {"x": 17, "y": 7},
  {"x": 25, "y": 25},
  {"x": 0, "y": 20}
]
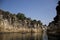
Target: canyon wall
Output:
[
  {"x": 18, "y": 23},
  {"x": 54, "y": 26}
]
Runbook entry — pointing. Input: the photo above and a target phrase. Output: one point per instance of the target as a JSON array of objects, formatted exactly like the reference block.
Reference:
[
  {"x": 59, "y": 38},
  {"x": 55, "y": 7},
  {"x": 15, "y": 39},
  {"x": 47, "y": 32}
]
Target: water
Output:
[
  {"x": 45, "y": 37},
  {"x": 19, "y": 36},
  {"x": 53, "y": 37},
  {"x": 27, "y": 36}
]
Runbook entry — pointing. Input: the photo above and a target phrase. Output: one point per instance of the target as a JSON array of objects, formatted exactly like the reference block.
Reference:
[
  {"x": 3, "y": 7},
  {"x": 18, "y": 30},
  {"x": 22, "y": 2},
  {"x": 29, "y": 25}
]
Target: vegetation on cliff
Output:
[{"x": 10, "y": 22}]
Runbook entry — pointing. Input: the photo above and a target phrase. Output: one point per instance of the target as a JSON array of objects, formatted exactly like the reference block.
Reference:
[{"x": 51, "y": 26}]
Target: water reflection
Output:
[
  {"x": 45, "y": 37},
  {"x": 53, "y": 37},
  {"x": 19, "y": 36}
]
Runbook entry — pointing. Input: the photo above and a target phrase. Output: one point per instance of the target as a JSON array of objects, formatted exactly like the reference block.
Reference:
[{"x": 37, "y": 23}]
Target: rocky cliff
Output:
[
  {"x": 18, "y": 23},
  {"x": 54, "y": 26}
]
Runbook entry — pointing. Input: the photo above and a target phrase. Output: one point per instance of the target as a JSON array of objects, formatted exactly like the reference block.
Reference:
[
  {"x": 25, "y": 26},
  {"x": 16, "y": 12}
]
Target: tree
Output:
[
  {"x": 28, "y": 18},
  {"x": 39, "y": 22},
  {"x": 20, "y": 16},
  {"x": 34, "y": 21}
]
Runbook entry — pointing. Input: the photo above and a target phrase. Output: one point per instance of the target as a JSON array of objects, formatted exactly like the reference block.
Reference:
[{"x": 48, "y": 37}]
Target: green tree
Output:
[
  {"x": 39, "y": 22},
  {"x": 20, "y": 16},
  {"x": 33, "y": 22}
]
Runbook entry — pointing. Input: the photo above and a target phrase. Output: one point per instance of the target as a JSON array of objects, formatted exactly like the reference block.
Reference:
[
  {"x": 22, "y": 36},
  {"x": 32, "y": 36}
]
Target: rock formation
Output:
[
  {"x": 54, "y": 26},
  {"x": 18, "y": 23}
]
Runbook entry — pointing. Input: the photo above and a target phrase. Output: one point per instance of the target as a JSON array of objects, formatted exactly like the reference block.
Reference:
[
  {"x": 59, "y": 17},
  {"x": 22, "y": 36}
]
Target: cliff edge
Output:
[
  {"x": 18, "y": 23},
  {"x": 54, "y": 26}
]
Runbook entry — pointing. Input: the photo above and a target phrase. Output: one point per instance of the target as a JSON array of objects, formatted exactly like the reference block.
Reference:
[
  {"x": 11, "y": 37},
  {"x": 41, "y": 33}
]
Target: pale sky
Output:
[{"x": 43, "y": 10}]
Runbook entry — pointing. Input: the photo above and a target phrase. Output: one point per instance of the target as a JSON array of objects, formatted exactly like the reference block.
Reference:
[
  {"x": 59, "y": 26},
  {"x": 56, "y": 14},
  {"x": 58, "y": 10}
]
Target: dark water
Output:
[
  {"x": 19, "y": 36},
  {"x": 27, "y": 36},
  {"x": 54, "y": 37}
]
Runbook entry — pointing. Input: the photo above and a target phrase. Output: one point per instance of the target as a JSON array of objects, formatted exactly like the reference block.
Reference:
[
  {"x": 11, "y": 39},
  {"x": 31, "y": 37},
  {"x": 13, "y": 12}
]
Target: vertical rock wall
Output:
[{"x": 54, "y": 26}]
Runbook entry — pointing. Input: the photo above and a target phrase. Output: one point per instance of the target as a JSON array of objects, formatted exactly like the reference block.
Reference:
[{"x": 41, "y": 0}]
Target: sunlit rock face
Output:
[
  {"x": 11, "y": 23},
  {"x": 54, "y": 26}
]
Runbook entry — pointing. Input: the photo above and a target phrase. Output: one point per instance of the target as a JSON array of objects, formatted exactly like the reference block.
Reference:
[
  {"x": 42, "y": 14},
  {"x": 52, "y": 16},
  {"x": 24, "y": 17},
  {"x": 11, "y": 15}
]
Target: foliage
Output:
[
  {"x": 20, "y": 16},
  {"x": 39, "y": 22}
]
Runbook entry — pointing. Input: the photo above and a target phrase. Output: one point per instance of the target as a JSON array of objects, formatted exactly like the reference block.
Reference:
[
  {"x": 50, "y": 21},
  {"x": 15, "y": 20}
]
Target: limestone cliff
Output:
[{"x": 18, "y": 23}]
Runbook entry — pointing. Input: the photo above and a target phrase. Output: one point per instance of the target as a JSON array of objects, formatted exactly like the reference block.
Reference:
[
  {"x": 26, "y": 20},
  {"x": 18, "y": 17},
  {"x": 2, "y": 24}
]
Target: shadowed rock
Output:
[{"x": 54, "y": 26}]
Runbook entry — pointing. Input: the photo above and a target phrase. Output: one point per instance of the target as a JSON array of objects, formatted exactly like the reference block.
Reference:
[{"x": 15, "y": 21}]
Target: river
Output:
[{"x": 27, "y": 36}]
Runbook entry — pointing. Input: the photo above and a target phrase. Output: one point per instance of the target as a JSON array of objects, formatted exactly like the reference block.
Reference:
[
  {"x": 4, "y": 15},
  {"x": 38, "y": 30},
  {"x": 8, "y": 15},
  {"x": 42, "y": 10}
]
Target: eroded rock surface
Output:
[{"x": 18, "y": 23}]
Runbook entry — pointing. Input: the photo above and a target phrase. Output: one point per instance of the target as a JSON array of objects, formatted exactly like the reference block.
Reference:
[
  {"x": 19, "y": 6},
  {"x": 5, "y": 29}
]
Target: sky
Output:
[{"x": 43, "y": 10}]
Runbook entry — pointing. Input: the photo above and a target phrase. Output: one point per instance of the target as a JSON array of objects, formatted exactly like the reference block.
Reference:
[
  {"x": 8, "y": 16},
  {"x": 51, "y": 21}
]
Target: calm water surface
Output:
[
  {"x": 27, "y": 36},
  {"x": 19, "y": 36}
]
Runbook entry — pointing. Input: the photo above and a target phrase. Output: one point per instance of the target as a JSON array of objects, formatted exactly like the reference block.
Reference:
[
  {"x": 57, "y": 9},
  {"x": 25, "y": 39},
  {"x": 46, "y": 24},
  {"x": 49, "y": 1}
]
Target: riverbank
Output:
[{"x": 10, "y": 22}]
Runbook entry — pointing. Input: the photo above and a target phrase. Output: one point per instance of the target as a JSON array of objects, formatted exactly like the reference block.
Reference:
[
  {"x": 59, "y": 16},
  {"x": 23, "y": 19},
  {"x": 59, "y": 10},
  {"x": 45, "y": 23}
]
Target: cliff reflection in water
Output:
[
  {"x": 19, "y": 36},
  {"x": 53, "y": 37}
]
